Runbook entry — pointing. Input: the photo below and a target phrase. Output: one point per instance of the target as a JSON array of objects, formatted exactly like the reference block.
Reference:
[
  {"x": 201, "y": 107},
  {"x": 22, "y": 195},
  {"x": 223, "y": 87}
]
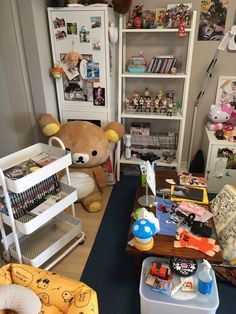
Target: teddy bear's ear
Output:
[
  {"x": 114, "y": 131},
  {"x": 49, "y": 125}
]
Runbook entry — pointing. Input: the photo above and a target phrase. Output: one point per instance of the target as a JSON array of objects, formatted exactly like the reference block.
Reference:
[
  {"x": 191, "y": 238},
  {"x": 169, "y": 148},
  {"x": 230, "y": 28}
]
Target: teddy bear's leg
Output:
[{"x": 93, "y": 202}]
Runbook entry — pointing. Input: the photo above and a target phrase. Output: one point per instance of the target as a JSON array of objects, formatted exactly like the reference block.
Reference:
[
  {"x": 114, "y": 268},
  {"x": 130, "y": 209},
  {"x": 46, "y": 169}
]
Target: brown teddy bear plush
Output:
[{"x": 90, "y": 147}]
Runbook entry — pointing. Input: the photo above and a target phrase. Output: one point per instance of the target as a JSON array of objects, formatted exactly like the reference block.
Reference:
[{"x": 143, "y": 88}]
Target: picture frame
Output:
[{"x": 226, "y": 91}]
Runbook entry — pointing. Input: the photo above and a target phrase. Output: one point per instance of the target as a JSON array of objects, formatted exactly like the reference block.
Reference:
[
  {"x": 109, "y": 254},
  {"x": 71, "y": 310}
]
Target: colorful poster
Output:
[
  {"x": 226, "y": 91},
  {"x": 212, "y": 19},
  {"x": 99, "y": 96},
  {"x": 93, "y": 73}
]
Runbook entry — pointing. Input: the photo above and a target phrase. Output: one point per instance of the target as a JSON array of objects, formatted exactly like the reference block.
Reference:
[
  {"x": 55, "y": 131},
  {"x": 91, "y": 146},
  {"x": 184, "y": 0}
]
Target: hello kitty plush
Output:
[{"x": 218, "y": 114}]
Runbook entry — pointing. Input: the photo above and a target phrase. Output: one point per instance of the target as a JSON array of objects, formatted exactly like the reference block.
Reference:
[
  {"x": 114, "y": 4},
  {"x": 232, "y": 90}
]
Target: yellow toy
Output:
[
  {"x": 57, "y": 294},
  {"x": 90, "y": 147}
]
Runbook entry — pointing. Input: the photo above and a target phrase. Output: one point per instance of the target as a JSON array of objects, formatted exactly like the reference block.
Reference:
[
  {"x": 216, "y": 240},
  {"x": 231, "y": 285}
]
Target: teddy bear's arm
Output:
[{"x": 100, "y": 176}]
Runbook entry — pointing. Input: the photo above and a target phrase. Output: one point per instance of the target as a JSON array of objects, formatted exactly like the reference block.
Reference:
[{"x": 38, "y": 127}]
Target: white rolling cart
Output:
[{"x": 45, "y": 233}]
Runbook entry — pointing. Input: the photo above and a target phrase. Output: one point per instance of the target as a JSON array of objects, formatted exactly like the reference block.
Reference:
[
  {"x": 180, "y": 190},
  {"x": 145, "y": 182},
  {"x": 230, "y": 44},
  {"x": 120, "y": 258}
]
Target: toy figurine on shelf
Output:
[
  {"x": 163, "y": 104},
  {"x": 156, "y": 104},
  {"x": 128, "y": 104},
  {"x": 141, "y": 103},
  {"x": 169, "y": 108},
  {"x": 147, "y": 93},
  {"x": 148, "y": 100},
  {"x": 148, "y": 104}
]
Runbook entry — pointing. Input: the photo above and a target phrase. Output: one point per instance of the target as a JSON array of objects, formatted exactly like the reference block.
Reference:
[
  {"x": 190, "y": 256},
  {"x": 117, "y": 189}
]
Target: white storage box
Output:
[
  {"x": 62, "y": 160},
  {"x": 153, "y": 302}
]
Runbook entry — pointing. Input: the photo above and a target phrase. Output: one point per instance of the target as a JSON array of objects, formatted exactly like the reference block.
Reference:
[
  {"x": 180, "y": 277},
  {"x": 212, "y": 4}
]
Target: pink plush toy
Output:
[
  {"x": 232, "y": 119},
  {"x": 218, "y": 114}
]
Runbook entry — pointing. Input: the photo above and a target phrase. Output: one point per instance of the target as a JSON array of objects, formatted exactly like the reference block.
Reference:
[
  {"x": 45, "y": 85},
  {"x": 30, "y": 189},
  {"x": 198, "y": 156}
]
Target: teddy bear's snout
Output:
[{"x": 80, "y": 159}]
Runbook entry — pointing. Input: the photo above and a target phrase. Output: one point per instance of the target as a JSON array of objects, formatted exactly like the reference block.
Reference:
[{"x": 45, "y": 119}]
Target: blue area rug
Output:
[{"x": 109, "y": 270}]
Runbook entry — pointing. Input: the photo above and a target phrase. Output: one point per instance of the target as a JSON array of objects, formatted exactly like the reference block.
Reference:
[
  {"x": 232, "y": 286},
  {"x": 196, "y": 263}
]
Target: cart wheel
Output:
[{"x": 82, "y": 242}]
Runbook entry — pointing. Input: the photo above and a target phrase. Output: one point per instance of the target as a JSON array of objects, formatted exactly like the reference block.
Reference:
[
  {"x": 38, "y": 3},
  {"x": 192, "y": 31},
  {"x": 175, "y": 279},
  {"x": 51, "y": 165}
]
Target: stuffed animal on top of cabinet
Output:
[
  {"x": 90, "y": 147},
  {"x": 218, "y": 114},
  {"x": 120, "y": 6}
]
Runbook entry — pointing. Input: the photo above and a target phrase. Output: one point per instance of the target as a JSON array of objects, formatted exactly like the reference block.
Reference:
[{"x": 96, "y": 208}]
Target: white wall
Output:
[
  {"x": 16, "y": 111},
  {"x": 34, "y": 23}
]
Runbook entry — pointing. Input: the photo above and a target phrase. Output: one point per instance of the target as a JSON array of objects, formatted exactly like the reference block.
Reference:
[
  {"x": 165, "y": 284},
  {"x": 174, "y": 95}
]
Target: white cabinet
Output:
[
  {"x": 32, "y": 203},
  {"x": 154, "y": 42},
  {"x": 220, "y": 161},
  {"x": 85, "y": 30}
]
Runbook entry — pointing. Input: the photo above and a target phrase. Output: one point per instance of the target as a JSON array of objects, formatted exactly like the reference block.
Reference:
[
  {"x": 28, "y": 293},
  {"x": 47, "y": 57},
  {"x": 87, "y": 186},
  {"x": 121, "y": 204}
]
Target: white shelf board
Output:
[
  {"x": 138, "y": 161},
  {"x": 148, "y": 115},
  {"x": 153, "y": 30},
  {"x": 154, "y": 75}
]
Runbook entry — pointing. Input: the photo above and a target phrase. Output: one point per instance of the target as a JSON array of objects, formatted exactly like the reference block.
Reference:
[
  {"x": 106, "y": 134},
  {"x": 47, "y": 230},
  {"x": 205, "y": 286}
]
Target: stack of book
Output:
[
  {"x": 23, "y": 203},
  {"x": 162, "y": 64}
]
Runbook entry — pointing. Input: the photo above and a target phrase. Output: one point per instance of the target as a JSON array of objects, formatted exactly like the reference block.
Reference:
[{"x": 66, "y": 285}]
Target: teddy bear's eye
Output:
[{"x": 94, "y": 153}]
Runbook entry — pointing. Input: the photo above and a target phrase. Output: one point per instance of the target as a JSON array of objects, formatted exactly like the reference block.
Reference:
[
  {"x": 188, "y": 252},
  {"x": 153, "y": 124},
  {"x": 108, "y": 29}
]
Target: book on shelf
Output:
[
  {"x": 151, "y": 64},
  {"x": 24, "y": 202},
  {"x": 43, "y": 159},
  {"x": 28, "y": 166},
  {"x": 191, "y": 194},
  {"x": 162, "y": 64}
]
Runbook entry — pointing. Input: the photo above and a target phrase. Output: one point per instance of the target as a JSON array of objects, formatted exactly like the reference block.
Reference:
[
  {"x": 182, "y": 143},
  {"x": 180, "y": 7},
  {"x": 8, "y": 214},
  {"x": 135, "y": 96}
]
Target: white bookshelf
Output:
[
  {"x": 147, "y": 41},
  {"x": 37, "y": 235}
]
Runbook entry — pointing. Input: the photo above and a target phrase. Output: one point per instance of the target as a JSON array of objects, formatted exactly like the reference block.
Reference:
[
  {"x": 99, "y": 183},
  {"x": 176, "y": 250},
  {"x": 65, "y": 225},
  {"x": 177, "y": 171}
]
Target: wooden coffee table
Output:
[{"x": 164, "y": 245}]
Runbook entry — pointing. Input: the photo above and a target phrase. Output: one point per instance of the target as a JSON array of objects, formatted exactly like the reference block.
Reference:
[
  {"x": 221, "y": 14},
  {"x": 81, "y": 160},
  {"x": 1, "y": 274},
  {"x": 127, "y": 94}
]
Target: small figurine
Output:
[
  {"x": 129, "y": 24},
  {"x": 163, "y": 105},
  {"x": 148, "y": 104},
  {"x": 169, "y": 108},
  {"x": 146, "y": 92},
  {"x": 182, "y": 31},
  {"x": 157, "y": 104},
  {"x": 141, "y": 103},
  {"x": 173, "y": 70}
]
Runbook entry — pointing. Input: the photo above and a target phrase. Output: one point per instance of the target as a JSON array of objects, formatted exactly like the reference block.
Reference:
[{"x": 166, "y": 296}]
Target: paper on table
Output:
[{"x": 151, "y": 179}]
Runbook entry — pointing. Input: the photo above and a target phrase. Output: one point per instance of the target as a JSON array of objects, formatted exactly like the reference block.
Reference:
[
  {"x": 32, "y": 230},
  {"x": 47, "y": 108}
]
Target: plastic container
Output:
[
  {"x": 127, "y": 146},
  {"x": 153, "y": 302},
  {"x": 205, "y": 278}
]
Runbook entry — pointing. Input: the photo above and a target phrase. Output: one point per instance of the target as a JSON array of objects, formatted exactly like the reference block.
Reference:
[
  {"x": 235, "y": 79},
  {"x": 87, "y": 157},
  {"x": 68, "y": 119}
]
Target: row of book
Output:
[
  {"x": 23, "y": 203},
  {"x": 162, "y": 64}
]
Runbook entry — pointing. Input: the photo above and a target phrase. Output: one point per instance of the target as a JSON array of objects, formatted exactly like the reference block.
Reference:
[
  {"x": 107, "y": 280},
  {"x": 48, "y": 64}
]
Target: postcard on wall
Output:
[
  {"x": 72, "y": 29},
  {"x": 226, "y": 91},
  {"x": 96, "y": 43},
  {"x": 57, "y": 22},
  {"x": 60, "y": 34},
  {"x": 160, "y": 17},
  {"x": 84, "y": 35},
  {"x": 212, "y": 19},
  {"x": 93, "y": 73},
  {"x": 96, "y": 21},
  {"x": 149, "y": 18},
  {"x": 99, "y": 96},
  {"x": 176, "y": 13}
]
